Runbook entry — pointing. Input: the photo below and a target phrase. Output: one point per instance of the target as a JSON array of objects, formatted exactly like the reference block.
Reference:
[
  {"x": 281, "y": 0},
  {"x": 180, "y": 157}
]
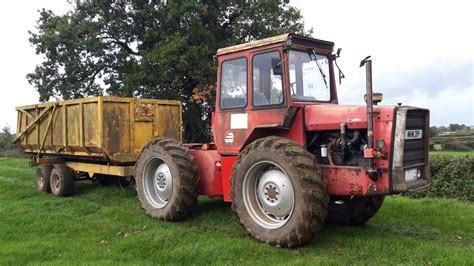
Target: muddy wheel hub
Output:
[
  {"x": 158, "y": 182},
  {"x": 268, "y": 195}
]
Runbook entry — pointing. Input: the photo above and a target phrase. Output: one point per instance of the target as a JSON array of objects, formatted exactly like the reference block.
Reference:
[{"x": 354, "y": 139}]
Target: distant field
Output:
[
  {"x": 105, "y": 225},
  {"x": 452, "y": 153},
  {"x": 461, "y": 141}
]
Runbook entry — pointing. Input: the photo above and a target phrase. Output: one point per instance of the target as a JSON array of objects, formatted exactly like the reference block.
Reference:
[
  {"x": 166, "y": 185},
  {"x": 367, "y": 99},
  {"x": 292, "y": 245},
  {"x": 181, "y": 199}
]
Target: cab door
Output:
[
  {"x": 251, "y": 95},
  {"x": 230, "y": 121}
]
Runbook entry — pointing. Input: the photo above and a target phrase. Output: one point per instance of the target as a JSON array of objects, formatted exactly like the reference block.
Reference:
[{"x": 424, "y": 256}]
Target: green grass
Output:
[
  {"x": 105, "y": 225},
  {"x": 452, "y": 153}
]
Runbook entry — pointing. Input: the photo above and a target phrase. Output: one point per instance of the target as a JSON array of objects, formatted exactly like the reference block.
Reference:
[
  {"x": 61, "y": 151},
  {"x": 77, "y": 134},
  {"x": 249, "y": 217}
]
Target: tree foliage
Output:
[
  {"x": 147, "y": 49},
  {"x": 434, "y": 131},
  {"x": 6, "y": 139}
]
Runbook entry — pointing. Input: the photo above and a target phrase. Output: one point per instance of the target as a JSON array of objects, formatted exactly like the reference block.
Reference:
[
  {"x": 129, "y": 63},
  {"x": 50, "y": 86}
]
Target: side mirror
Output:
[
  {"x": 338, "y": 53},
  {"x": 276, "y": 66}
]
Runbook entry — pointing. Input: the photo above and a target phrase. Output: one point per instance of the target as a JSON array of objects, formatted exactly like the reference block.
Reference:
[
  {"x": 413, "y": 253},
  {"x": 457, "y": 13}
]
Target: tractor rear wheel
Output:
[
  {"x": 278, "y": 193},
  {"x": 166, "y": 180},
  {"x": 43, "y": 174},
  {"x": 353, "y": 210},
  {"x": 62, "y": 180}
]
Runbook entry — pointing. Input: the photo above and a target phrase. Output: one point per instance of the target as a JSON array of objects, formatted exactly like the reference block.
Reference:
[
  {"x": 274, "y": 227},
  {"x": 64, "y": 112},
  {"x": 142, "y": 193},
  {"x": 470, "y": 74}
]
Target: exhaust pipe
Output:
[{"x": 368, "y": 152}]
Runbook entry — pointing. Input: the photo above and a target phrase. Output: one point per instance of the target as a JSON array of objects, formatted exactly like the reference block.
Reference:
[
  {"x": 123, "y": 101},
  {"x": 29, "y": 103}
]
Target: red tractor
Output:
[{"x": 286, "y": 154}]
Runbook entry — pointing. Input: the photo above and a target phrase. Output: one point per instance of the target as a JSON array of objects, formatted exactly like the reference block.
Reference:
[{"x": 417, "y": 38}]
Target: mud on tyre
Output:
[
  {"x": 62, "y": 180},
  {"x": 278, "y": 193},
  {"x": 43, "y": 174},
  {"x": 166, "y": 180}
]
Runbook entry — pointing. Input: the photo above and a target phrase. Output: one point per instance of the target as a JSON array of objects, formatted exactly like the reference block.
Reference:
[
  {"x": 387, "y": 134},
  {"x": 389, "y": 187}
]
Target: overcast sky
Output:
[{"x": 423, "y": 52}]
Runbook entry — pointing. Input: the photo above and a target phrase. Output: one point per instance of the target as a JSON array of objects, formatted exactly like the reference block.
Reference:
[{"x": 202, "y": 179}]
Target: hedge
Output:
[{"x": 450, "y": 177}]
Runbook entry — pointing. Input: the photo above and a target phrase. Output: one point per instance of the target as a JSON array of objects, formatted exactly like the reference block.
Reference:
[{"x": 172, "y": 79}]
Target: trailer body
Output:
[{"x": 103, "y": 129}]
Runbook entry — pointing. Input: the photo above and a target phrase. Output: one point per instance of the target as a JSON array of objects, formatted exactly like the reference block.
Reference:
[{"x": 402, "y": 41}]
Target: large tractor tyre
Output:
[
  {"x": 278, "y": 193},
  {"x": 43, "y": 174},
  {"x": 353, "y": 210},
  {"x": 166, "y": 180},
  {"x": 62, "y": 180}
]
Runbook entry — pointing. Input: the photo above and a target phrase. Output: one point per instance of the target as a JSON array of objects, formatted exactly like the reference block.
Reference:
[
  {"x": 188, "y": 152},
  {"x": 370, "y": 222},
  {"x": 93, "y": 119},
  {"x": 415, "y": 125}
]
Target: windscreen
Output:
[{"x": 309, "y": 76}]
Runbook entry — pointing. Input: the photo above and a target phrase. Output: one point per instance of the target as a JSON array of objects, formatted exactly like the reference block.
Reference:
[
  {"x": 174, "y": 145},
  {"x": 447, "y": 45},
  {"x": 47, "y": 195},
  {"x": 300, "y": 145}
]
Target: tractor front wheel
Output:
[
  {"x": 166, "y": 180},
  {"x": 278, "y": 193},
  {"x": 353, "y": 210}
]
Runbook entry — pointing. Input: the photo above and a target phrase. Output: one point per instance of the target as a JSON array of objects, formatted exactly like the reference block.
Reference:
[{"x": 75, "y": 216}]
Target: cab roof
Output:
[{"x": 297, "y": 41}]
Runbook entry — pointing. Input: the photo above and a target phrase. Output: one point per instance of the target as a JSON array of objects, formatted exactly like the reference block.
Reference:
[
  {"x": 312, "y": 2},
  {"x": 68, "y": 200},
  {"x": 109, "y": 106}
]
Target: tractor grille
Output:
[
  {"x": 410, "y": 149},
  {"x": 415, "y": 150}
]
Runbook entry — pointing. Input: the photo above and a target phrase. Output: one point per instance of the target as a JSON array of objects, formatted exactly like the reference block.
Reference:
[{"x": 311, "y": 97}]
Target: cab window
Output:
[
  {"x": 309, "y": 76},
  {"x": 233, "y": 83},
  {"x": 267, "y": 79}
]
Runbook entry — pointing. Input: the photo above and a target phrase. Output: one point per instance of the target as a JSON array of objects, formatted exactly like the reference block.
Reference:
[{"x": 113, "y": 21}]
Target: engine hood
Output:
[{"x": 329, "y": 117}]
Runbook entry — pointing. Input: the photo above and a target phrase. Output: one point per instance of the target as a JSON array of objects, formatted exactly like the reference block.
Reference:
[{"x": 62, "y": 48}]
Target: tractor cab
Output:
[{"x": 263, "y": 84}]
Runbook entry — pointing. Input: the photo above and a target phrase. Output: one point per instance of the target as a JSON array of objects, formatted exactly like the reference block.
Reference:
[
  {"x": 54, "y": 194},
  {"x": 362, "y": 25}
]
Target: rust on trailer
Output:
[{"x": 105, "y": 128}]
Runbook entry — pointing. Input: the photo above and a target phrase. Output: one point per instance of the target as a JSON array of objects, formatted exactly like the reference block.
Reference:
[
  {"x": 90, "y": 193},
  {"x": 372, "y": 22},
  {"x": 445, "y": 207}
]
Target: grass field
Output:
[
  {"x": 105, "y": 225},
  {"x": 452, "y": 153}
]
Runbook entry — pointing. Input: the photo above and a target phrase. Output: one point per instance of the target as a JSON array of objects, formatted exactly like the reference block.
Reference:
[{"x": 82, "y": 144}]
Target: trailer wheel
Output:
[
  {"x": 43, "y": 174},
  {"x": 353, "y": 210},
  {"x": 62, "y": 180},
  {"x": 278, "y": 193},
  {"x": 166, "y": 180}
]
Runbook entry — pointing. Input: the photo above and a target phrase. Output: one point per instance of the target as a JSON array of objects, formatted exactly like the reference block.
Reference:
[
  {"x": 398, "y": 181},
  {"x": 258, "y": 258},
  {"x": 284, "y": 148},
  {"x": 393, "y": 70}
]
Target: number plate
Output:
[
  {"x": 413, "y": 134},
  {"x": 411, "y": 174}
]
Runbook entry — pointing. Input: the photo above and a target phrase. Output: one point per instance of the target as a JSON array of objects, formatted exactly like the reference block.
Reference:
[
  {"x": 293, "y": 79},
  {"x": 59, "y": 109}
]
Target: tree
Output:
[
  {"x": 143, "y": 48},
  {"x": 6, "y": 139},
  {"x": 457, "y": 127},
  {"x": 434, "y": 131}
]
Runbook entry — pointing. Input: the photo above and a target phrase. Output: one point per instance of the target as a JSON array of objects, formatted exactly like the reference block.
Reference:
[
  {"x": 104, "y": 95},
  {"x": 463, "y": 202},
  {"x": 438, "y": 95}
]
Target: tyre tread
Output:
[
  {"x": 186, "y": 195},
  {"x": 315, "y": 197}
]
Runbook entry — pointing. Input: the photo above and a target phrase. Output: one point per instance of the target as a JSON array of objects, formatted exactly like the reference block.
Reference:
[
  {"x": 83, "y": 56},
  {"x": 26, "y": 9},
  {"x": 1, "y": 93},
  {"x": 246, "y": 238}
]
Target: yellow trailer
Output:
[
  {"x": 96, "y": 135},
  {"x": 111, "y": 129}
]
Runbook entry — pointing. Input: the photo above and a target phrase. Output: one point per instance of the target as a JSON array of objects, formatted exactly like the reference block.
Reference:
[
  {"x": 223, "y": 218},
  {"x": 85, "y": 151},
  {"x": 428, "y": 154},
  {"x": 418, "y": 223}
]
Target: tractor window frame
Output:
[
  {"x": 246, "y": 84},
  {"x": 330, "y": 74},
  {"x": 283, "y": 102}
]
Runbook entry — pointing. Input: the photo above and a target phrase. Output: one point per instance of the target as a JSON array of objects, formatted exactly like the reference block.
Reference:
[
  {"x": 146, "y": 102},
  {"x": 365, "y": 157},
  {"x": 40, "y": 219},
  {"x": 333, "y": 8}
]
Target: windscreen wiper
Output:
[{"x": 320, "y": 69}]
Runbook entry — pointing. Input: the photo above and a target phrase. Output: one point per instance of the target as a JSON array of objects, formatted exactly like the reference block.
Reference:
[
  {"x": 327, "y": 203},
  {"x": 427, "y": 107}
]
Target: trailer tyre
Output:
[
  {"x": 62, "y": 180},
  {"x": 43, "y": 174},
  {"x": 166, "y": 180},
  {"x": 353, "y": 210},
  {"x": 278, "y": 193}
]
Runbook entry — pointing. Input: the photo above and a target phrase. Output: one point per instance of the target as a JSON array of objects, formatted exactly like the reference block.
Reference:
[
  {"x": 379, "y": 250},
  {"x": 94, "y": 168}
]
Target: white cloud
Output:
[
  {"x": 403, "y": 37},
  {"x": 416, "y": 47},
  {"x": 17, "y": 56}
]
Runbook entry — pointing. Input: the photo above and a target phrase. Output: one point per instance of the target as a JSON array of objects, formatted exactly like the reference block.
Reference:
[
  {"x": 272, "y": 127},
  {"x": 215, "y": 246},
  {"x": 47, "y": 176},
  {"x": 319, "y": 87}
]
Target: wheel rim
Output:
[
  {"x": 56, "y": 182},
  {"x": 41, "y": 180},
  {"x": 157, "y": 182},
  {"x": 268, "y": 195}
]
